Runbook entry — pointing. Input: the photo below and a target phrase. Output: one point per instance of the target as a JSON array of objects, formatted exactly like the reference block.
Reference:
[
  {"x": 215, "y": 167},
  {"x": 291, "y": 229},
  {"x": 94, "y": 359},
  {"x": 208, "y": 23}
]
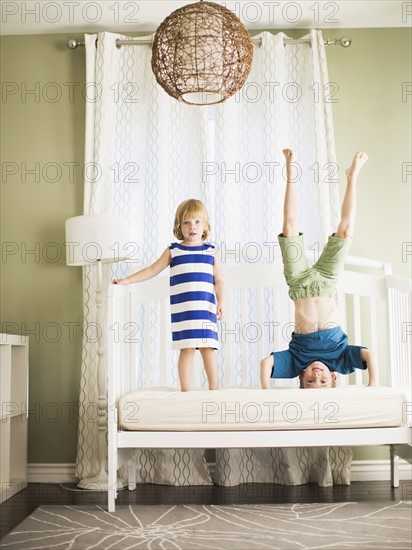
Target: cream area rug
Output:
[{"x": 335, "y": 526}]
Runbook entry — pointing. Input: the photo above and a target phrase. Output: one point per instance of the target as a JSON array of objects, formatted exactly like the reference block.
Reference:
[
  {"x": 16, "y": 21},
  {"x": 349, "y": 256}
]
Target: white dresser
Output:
[{"x": 14, "y": 371}]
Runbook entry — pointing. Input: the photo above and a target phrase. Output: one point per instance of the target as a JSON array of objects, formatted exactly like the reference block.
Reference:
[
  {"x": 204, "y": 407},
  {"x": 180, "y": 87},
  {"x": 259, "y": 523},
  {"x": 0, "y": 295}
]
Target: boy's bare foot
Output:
[
  {"x": 292, "y": 169},
  {"x": 357, "y": 162},
  {"x": 288, "y": 155}
]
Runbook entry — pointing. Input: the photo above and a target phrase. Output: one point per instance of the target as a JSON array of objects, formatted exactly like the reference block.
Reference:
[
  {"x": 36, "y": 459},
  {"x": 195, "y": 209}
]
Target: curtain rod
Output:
[{"x": 345, "y": 42}]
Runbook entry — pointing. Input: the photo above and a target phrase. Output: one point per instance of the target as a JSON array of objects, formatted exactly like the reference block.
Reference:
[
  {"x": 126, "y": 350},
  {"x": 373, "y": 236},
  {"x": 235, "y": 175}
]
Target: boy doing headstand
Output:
[{"x": 319, "y": 347}]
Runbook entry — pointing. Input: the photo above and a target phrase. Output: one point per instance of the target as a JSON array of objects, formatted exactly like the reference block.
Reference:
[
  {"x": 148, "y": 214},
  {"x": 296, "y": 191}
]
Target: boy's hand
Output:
[{"x": 372, "y": 365}]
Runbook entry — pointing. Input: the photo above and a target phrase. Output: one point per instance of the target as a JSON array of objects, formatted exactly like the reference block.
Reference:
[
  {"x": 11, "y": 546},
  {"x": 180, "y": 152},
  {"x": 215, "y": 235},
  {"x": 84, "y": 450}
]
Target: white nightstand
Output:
[{"x": 14, "y": 371}]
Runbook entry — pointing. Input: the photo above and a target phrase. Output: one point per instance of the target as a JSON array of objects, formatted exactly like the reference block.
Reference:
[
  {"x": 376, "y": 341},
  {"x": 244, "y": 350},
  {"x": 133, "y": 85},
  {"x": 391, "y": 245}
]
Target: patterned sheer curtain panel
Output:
[
  {"x": 143, "y": 156},
  {"x": 286, "y": 103},
  {"x": 146, "y": 152}
]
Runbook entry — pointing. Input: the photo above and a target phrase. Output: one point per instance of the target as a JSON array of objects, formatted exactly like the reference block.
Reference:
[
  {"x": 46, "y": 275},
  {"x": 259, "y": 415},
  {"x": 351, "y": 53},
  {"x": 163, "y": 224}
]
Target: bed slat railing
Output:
[
  {"x": 258, "y": 320},
  {"x": 261, "y": 316},
  {"x": 375, "y": 309},
  {"x": 357, "y": 339},
  {"x": 400, "y": 332}
]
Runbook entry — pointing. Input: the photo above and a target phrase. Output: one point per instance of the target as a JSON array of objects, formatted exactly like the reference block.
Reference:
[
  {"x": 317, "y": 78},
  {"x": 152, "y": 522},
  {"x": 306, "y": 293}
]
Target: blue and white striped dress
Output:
[{"x": 192, "y": 297}]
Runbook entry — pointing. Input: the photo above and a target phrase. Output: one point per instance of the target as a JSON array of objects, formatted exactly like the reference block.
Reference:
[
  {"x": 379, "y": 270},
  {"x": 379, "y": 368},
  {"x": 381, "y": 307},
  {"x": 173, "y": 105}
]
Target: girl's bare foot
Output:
[{"x": 357, "y": 162}]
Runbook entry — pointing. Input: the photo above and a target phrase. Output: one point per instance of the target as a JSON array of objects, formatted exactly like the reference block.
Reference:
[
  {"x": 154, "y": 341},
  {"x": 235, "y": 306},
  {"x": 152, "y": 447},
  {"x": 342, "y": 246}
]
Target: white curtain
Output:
[
  {"x": 286, "y": 103},
  {"x": 143, "y": 156},
  {"x": 283, "y": 104},
  {"x": 146, "y": 152}
]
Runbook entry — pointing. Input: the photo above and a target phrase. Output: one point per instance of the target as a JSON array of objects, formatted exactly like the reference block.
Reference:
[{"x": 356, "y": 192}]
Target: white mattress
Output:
[{"x": 240, "y": 409}]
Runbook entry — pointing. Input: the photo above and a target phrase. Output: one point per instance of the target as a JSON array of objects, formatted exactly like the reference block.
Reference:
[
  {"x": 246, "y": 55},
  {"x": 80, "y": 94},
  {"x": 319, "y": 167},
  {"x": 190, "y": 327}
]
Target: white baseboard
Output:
[
  {"x": 362, "y": 470},
  {"x": 378, "y": 470},
  {"x": 51, "y": 473}
]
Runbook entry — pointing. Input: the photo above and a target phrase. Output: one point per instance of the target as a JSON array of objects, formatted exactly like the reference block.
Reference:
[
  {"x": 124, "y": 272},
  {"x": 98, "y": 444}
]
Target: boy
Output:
[{"x": 318, "y": 348}]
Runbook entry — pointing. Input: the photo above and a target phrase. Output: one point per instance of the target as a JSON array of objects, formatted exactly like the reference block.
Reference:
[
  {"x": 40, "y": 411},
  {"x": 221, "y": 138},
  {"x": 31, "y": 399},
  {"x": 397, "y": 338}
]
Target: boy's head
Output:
[
  {"x": 317, "y": 375},
  {"x": 191, "y": 208}
]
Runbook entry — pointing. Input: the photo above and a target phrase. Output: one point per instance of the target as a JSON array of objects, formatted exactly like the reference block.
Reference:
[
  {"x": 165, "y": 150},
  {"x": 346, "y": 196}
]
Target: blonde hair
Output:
[{"x": 192, "y": 208}]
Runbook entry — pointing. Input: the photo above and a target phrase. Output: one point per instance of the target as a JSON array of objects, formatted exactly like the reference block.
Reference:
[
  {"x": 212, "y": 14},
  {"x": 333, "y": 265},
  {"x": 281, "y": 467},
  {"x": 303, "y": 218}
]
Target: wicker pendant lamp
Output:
[{"x": 202, "y": 54}]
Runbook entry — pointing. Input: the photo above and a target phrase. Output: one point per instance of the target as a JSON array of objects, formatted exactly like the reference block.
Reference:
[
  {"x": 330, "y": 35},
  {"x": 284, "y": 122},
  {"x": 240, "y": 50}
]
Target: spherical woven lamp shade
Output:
[{"x": 202, "y": 54}]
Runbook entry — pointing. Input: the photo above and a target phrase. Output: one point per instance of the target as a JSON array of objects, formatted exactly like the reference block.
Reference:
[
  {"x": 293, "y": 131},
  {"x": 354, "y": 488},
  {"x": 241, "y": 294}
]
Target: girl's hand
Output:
[
  {"x": 120, "y": 282},
  {"x": 219, "y": 312}
]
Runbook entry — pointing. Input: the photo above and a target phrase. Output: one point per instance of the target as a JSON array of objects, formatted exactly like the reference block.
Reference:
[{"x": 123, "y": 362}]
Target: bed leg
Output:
[
  {"x": 111, "y": 499},
  {"x": 112, "y": 489},
  {"x": 394, "y": 467},
  {"x": 112, "y": 479},
  {"x": 132, "y": 473}
]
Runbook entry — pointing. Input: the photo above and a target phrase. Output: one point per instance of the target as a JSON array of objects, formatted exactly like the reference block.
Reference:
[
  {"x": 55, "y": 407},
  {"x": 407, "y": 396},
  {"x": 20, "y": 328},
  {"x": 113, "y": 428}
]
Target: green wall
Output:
[
  {"x": 42, "y": 297},
  {"x": 43, "y": 132},
  {"x": 371, "y": 115}
]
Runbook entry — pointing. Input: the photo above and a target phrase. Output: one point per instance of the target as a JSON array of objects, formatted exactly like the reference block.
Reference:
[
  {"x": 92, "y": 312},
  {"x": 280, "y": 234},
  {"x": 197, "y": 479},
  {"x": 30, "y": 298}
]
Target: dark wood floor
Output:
[{"x": 17, "y": 508}]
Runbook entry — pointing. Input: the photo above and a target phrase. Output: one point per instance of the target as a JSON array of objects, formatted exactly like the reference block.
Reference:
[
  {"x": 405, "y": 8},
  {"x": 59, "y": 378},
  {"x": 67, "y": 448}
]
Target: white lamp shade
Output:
[{"x": 95, "y": 237}]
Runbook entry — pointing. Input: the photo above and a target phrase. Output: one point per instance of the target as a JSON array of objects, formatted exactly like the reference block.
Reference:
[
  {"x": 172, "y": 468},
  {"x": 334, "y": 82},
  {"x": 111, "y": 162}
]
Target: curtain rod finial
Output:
[
  {"x": 72, "y": 43},
  {"x": 345, "y": 42}
]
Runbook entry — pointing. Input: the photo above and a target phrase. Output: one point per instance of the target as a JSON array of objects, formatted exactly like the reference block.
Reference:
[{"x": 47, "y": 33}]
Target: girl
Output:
[{"x": 196, "y": 290}]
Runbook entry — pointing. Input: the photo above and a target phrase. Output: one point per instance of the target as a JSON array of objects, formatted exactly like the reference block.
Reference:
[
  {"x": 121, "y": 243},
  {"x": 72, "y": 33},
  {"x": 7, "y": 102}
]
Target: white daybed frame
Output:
[{"x": 362, "y": 280}]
